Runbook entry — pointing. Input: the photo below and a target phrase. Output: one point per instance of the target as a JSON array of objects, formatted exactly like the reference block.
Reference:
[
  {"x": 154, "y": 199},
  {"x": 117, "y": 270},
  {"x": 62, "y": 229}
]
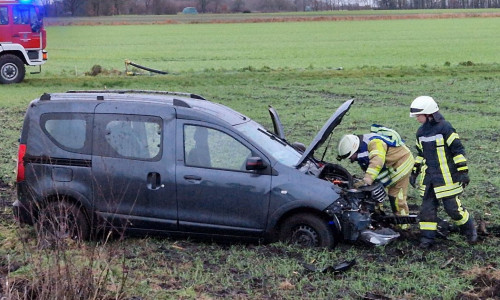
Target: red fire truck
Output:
[{"x": 22, "y": 38}]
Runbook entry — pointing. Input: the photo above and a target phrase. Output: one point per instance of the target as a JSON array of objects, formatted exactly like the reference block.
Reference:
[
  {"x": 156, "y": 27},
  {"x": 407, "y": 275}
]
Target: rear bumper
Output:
[{"x": 21, "y": 214}]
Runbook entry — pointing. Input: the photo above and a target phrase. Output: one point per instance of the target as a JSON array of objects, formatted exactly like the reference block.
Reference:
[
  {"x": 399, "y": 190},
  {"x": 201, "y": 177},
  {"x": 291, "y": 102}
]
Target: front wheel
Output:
[
  {"x": 307, "y": 231},
  {"x": 11, "y": 69}
]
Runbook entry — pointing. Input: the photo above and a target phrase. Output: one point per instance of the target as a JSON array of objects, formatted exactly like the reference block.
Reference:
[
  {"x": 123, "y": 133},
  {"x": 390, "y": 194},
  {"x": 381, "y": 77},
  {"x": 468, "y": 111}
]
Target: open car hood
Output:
[{"x": 325, "y": 132}]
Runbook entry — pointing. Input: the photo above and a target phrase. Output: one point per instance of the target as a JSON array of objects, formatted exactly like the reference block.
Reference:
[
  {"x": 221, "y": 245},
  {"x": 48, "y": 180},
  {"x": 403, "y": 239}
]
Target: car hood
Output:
[{"x": 325, "y": 131}]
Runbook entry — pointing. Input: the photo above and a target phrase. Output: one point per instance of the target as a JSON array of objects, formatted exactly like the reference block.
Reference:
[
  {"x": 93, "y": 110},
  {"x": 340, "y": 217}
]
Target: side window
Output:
[
  {"x": 126, "y": 136},
  {"x": 21, "y": 14},
  {"x": 211, "y": 148},
  {"x": 33, "y": 16},
  {"x": 68, "y": 131},
  {"x": 4, "y": 15}
]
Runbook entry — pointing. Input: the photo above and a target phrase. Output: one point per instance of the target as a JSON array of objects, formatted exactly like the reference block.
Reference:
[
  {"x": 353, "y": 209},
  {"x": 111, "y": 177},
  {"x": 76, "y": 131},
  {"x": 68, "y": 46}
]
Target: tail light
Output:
[
  {"x": 20, "y": 162},
  {"x": 44, "y": 55}
]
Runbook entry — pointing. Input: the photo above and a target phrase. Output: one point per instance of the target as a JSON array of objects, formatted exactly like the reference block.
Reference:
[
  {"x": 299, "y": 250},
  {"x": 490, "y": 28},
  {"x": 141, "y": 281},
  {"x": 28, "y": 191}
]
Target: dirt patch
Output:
[{"x": 486, "y": 284}]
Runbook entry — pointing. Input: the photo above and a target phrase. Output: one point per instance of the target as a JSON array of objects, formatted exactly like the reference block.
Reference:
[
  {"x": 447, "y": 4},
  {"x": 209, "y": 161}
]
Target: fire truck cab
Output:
[{"x": 22, "y": 38}]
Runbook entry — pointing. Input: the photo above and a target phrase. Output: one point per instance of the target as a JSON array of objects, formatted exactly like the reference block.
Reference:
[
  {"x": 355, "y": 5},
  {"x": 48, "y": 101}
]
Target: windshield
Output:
[{"x": 275, "y": 147}]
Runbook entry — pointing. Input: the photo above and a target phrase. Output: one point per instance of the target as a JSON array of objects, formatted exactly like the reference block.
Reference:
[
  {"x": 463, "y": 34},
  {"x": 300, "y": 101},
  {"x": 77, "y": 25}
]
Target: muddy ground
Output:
[{"x": 486, "y": 280}]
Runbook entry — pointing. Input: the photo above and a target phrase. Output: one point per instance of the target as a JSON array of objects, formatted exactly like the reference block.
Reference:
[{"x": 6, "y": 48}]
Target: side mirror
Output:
[{"x": 255, "y": 163}]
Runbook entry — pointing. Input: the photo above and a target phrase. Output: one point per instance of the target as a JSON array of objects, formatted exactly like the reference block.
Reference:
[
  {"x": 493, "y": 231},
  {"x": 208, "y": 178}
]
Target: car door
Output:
[
  {"x": 133, "y": 165},
  {"x": 25, "y": 27},
  {"x": 215, "y": 192}
]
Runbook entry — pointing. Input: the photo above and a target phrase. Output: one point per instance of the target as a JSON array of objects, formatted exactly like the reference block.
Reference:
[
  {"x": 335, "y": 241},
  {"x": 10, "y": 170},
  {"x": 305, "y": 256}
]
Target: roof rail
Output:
[
  {"x": 189, "y": 95},
  {"x": 45, "y": 97}
]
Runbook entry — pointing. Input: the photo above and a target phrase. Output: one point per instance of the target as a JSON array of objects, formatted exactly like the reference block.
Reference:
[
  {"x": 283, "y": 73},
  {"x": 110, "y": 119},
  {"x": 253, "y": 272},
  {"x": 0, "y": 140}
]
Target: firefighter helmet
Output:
[
  {"x": 423, "y": 105},
  {"x": 348, "y": 145}
]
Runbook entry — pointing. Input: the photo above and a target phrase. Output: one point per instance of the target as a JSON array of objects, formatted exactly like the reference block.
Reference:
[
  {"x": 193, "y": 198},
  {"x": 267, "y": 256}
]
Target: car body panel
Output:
[{"x": 125, "y": 189}]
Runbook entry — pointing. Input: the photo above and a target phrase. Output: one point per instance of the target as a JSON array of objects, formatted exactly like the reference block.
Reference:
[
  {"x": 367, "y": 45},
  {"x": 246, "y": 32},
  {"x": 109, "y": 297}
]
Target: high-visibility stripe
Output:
[
  {"x": 384, "y": 175},
  {"x": 363, "y": 154},
  {"x": 428, "y": 225},
  {"x": 463, "y": 213},
  {"x": 443, "y": 163},
  {"x": 430, "y": 138},
  {"x": 419, "y": 160},
  {"x": 373, "y": 172},
  {"x": 418, "y": 144},
  {"x": 379, "y": 149},
  {"x": 451, "y": 138},
  {"x": 439, "y": 140},
  {"x": 448, "y": 187},
  {"x": 459, "y": 158},
  {"x": 455, "y": 189},
  {"x": 404, "y": 169},
  {"x": 462, "y": 168}
]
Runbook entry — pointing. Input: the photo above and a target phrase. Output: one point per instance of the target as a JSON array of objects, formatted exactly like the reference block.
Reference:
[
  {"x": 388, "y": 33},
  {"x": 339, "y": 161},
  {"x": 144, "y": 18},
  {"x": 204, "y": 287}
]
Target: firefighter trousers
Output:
[
  {"x": 428, "y": 213},
  {"x": 398, "y": 193}
]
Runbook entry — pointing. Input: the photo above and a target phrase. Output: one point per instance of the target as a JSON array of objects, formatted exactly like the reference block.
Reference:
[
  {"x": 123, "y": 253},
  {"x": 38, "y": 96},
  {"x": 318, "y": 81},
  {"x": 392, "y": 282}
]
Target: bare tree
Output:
[
  {"x": 203, "y": 5},
  {"x": 94, "y": 7},
  {"x": 72, "y": 5},
  {"x": 238, "y": 6}
]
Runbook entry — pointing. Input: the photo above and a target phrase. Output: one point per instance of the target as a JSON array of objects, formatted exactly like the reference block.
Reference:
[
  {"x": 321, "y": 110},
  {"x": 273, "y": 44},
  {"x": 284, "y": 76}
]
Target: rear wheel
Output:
[
  {"x": 62, "y": 220},
  {"x": 307, "y": 231},
  {"x": 11, "y": 69}
]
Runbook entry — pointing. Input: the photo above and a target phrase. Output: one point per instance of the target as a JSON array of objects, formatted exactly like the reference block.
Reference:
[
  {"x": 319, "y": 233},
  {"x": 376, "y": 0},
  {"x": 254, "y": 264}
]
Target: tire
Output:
[
  {"x": 307, "y": 231},
  {"x": 62, "y": 220},
  {"x": 11, "y": 69}
]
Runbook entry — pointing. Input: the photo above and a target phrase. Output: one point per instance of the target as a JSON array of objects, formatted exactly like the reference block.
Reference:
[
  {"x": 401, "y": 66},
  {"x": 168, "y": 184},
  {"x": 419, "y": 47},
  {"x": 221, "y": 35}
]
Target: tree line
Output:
[{"x": 54, "y": 8}]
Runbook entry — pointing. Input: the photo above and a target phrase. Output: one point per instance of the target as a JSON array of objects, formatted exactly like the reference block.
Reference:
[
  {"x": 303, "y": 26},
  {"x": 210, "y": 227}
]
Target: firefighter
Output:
[
  {"x": 442, "y": 163},
  {"x": 384, "y": 157}
]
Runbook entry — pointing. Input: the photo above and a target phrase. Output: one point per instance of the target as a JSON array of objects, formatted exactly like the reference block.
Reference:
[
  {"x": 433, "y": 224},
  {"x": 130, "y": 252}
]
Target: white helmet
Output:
[
  {"x": 348, "y": 145},
  {"x": 423, "y": 105}
]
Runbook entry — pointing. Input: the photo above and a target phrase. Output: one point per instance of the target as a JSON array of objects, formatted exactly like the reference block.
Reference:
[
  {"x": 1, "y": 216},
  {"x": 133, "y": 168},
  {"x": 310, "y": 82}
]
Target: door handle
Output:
[
  {"x": 192, "y": 177},
  {"x": 154, "y": 181}
]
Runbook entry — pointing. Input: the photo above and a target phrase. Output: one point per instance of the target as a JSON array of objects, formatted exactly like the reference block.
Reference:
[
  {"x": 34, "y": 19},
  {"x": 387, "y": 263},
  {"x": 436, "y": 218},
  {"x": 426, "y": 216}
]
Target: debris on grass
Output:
[{"x": 486, "y": 284}]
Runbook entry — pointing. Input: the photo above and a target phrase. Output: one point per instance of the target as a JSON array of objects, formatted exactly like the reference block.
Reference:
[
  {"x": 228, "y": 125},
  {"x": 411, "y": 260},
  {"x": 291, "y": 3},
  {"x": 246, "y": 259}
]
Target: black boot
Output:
[
  {"x": 469, "y": 230},
  {"x": 427, "y": 239}
]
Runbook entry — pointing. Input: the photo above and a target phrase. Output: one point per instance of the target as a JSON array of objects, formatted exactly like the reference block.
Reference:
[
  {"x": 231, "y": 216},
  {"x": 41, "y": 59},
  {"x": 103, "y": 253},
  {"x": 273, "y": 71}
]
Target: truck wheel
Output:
[
  {"x": 11, "y": 69},
  {"x": 307, "y": 231},
  {"x": 61, "y": 220}
]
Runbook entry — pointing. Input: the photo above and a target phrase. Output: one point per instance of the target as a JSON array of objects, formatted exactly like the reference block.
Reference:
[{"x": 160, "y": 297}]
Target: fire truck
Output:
[{"x": 22, "y": 38}]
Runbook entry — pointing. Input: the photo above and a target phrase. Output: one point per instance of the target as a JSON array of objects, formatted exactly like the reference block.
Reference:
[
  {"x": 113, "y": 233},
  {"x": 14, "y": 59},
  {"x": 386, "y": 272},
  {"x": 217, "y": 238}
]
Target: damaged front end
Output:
[{"x": 354, "y": 211}]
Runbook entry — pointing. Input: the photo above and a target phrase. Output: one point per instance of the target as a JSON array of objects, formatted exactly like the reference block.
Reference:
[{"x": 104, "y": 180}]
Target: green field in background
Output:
[{"x": 179, "y": 48}]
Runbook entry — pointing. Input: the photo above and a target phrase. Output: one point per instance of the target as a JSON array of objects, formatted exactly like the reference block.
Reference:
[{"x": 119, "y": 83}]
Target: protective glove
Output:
[
  {"x": 413, "y": 179},
  {"x": 464, "y": 178}
]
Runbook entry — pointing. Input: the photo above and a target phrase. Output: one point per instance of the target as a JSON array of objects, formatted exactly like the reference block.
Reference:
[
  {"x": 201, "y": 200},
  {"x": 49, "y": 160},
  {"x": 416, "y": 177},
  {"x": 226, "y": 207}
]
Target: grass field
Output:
[
  {"x": 385, "y": 64},
  {"x": 181, "y": 48}
]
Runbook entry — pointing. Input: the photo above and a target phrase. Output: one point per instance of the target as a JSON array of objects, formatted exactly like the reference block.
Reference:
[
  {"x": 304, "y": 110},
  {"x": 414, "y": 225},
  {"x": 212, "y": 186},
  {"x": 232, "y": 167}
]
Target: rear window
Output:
[{"x": 68, "y": 131}]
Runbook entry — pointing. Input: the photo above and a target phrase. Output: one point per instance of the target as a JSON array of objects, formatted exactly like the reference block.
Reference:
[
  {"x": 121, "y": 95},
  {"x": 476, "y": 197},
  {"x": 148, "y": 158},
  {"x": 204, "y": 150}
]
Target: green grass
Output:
[
  {"x": 305, "y": 97},
  {"x": 181, "y": 48}
]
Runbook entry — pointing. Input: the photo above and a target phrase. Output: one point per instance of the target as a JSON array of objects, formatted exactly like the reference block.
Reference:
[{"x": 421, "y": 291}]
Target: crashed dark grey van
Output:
[{"x": 149, "y": 162}]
